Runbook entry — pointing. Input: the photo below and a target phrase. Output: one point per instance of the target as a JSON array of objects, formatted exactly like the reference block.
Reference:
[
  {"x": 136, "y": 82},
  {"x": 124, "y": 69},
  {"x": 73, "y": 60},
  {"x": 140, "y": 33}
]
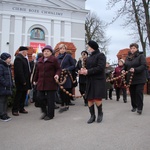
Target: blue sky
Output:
[{"x": 119, "y": 35}]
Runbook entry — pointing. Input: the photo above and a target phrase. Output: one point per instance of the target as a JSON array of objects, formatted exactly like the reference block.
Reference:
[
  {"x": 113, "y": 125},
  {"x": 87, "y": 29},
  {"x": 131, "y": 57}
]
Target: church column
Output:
[
  {"x": 67, "y": 31},
  {"x": 5, "y": 33},
  {"x": 57, "y": 32},
  {"x": 0, "y": 31},
  {"x": 18, "y": 32}
]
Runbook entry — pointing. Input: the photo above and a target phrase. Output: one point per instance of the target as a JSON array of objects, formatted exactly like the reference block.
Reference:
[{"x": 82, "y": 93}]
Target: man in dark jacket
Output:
[
  {"x": 6, "y": 84},
  {"x": 22, "y": 80},
  {"x": 47, "y": 71}
]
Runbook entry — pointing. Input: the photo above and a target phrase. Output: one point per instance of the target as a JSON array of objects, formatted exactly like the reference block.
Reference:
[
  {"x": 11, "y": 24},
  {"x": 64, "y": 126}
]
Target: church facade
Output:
[{"x": 37, "y": 23}]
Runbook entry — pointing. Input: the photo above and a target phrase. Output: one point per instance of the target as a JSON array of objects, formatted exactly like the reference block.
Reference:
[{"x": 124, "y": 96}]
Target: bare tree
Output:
[
  {"x": 137, "y": 17},
  {"x": 95, "y": 30}
]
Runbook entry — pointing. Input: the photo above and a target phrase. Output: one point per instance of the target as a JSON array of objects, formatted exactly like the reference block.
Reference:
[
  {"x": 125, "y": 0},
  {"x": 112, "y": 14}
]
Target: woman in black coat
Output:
[
  {"x": 136, "y": 63},
  {"x": 82, "y": 78},
  {"x": 95, "y": 86}
]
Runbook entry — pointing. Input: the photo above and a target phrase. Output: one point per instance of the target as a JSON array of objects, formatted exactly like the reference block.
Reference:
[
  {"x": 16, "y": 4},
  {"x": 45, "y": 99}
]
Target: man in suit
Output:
[{"x": 22, "y": 80}]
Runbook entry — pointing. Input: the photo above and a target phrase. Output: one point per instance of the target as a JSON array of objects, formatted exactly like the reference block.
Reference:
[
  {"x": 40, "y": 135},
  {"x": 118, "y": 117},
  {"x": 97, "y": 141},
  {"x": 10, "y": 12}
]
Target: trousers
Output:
[
  {"x": 136, "y": 94},
  {"x": 47, "y": 102},
  {"x": 3, "y": 105},
  {"x": 19, "y": 101}
]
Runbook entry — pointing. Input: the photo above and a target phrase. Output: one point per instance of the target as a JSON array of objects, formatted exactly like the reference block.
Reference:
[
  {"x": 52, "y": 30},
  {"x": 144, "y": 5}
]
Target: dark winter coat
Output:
[
  {"x": 108, "y": 72},
  {"x": 22, "y": 73},
  {"x": 66, "y": 62},
  {"x": 82, "y": 78},
  {"x": 6, "y": 82},
  {"x": 45, "y": 72},
  {"x": 32, "y": 63},
  {"x": 33, "y": 70},
  {"x": 95, "y": 86},
  {"x": 119, "y": 82},
  {"x": 138, "y": 62}
]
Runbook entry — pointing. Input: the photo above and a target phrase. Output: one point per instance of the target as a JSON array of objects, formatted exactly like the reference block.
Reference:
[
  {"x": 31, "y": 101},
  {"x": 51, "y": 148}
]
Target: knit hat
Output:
[
  {"x": 121, "y": 60},
  {"x": 23, "y": 48},
  {"x": 5, "y": 56},
  {"x": 93, "y": 45},
  {"x": 47, "y": 47},
  {"x": 84, "y": 52}
]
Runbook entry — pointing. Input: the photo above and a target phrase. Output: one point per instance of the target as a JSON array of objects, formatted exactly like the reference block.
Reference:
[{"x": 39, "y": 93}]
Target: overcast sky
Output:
[{"x": 119, "y": 36}]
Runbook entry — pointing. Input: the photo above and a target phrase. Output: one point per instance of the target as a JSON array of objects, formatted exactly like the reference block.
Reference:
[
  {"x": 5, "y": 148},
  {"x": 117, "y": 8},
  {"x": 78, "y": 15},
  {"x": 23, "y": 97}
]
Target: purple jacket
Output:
[
  {"x": 118, "y": 83},
  {"x": 45, "y": 73}
]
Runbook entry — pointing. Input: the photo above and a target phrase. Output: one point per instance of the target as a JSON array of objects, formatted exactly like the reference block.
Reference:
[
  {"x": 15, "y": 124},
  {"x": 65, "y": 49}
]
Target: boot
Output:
[
  {"x": 100, "y": 114},
  {"x": 85, "y": 102},
  {"x": 125, "y": 101},
  {"x": 92, "y": 112}
]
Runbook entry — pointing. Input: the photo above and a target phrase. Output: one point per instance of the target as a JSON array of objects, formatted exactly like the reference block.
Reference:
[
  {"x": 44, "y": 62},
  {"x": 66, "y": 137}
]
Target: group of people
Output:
[{"x": 91, "y": 68}]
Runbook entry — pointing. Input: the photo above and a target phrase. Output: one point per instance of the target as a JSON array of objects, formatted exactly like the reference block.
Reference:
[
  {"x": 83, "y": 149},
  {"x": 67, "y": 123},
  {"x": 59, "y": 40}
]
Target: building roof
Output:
[
  {"x": 70, "y": 46},
  {"x": 123, "y": 53}
]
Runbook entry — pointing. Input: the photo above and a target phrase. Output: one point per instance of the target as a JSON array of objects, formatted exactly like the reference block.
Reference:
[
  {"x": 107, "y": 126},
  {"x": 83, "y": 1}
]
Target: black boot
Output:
[
  {"x": 100, "y": 114},
  {"x": 125, "y": 101},
  {"x": 85, "y": 102},
  {"x": 92, "y": 112}
]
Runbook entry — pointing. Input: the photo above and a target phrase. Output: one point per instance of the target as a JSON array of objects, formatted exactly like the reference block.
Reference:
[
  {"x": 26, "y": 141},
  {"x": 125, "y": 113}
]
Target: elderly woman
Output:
[
  {"x": 95, "y": 86},
  {"x": 136, "y": 63},
  {"x": 47, "y": 71}
]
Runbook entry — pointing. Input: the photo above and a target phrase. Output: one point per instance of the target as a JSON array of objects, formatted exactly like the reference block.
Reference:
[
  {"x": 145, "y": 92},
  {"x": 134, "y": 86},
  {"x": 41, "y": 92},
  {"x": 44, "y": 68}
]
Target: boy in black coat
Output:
[{"x": 6, "y": 84}]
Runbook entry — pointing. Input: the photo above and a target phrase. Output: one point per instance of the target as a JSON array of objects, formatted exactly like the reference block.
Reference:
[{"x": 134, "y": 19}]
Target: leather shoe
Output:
[
  {"x": 61, "y": 110},
  {"x": 48, "y": 118},
  {"x": 133, "y": 109},
  {"x": 23, "y": 111},
  {"x": 56, "y": 107},
  {"x": 43, "y": 116},
  {"x": 15, "y": 113},
  {"x": 139, "y": 112},
  {"x": 71, "y": 104}
]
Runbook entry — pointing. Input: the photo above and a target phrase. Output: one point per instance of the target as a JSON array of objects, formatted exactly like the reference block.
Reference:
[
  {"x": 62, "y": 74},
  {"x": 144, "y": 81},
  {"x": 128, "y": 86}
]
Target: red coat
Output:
[
  {"x": 45, "y": 73},
  {"x": 118, "y": 83}
]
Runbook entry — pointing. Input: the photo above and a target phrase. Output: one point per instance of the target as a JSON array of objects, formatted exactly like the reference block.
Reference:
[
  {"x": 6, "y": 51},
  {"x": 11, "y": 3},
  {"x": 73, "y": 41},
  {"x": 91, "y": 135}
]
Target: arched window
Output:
[{"x": 37, "y": 34}]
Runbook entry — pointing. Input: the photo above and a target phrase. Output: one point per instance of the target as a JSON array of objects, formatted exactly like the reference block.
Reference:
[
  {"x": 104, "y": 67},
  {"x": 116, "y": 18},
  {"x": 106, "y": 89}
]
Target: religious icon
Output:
[{"x": 38, "y": 34}]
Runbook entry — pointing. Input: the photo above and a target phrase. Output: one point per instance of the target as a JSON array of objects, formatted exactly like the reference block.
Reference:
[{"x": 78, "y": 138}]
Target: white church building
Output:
[{"x": 41, "y": 22}]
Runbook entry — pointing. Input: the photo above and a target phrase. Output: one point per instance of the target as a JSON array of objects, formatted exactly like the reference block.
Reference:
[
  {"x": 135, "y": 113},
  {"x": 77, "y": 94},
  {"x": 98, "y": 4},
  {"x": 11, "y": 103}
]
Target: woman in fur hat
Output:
[{"x": 95, "y": 73}]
